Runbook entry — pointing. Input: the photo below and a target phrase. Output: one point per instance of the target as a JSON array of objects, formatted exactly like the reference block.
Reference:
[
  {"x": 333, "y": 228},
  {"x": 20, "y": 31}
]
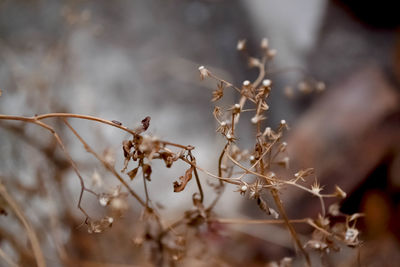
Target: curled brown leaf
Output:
[{"x": 183, "y": 180}]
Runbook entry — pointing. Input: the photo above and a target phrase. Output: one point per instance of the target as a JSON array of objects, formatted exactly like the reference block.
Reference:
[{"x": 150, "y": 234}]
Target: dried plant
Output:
[{"x": 255, "y": 171}]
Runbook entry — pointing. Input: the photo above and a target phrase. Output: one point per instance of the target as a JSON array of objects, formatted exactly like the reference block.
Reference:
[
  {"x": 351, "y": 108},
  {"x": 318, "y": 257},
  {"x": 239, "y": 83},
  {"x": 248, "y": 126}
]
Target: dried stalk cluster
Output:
[{"x": 168, "y": 243}]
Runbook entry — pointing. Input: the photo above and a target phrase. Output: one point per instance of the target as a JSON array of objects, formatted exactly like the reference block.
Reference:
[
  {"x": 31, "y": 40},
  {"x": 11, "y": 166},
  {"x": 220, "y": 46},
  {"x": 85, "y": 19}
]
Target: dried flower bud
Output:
[
  {"x": 203, "y": 72},
  {"x": 267, "y": 131},
  {"x": 230, "y": 137},
  {"x": 351, "y": 235},
  {"x": 266, "y": 83},
  {"x": 257, "y": 118},
  {"x": 241, "y": 45},
  {"x": 104, "y": 199},
  {"x": 334, "y": 209},
  {"x": 242, "y": 189},
  {"x": 339, "y": 192},
  {"x": 316, "y": 188},
  {"x": 236, "y": 109},
  {"x": 246, "y": 83}
]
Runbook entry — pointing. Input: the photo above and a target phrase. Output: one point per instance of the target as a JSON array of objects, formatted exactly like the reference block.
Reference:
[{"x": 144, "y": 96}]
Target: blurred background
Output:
[{"x": 124, "y": 60}]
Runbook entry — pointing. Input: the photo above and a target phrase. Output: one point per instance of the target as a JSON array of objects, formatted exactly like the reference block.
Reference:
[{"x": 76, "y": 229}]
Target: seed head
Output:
[
  {"x": 266, "y": 83},
  {"x": 246, "y": 83},
  {"x": 203, "y": 72}
]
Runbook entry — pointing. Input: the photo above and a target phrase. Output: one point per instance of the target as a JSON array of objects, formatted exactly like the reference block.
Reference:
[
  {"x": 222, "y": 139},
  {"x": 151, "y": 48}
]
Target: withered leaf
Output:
[
  {"x": 183, "y": 180},
  {"x": 147, "y": 171},
  {"x": 133, "y": 173}
]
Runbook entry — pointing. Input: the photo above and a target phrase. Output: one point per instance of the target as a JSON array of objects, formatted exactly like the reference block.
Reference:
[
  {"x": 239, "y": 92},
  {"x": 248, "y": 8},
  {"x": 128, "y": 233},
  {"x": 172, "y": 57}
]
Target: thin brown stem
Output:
[
  {"x": 221, "y": 182},
  {"x": 196, "y": 175},
  {"x": 288, "y": 224}
]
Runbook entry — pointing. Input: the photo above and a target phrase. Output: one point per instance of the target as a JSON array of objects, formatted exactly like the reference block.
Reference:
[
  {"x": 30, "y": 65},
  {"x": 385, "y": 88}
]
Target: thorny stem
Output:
[{"x": 37, "y": 251}]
